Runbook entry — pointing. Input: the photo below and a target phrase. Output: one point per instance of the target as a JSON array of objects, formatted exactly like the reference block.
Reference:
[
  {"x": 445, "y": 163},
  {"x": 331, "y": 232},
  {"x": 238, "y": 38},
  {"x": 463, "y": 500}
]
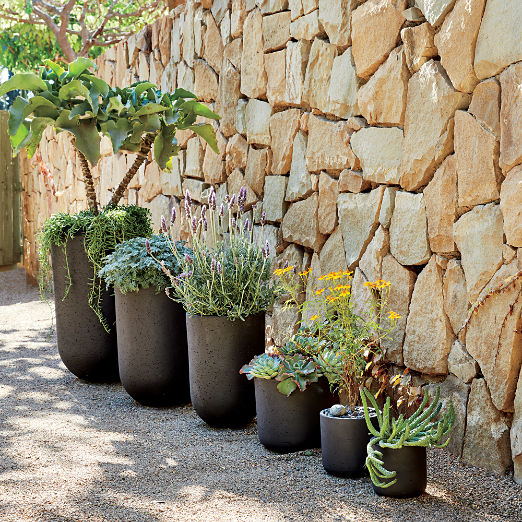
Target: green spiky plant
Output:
[{"x": 425, "y": 428}]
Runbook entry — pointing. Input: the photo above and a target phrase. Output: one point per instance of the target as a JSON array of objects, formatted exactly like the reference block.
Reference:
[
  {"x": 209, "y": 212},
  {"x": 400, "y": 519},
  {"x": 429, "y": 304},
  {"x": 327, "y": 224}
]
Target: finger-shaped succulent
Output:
[
  {"x": 263, "y": 366},
  {"x": 296, "y": 372}
]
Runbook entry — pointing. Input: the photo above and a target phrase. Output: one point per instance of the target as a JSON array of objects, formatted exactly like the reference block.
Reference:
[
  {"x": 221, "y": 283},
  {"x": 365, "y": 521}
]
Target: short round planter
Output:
[
  {"x": 218, "y": 348},
  {"x": 152, "y": 347},
  {"x": 86, "y": 349},
  {"x": 343, "y": 444},
  {"x": 291, "y": 423},
  {"x": 410, "y": 464}
]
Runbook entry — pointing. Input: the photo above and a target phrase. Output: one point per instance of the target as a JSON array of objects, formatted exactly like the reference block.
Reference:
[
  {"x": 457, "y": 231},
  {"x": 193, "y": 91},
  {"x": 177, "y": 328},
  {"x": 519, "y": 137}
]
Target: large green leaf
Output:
[
  {"x": 22, "y": 136},
  {"x": 115, "y": 104},
  {"x": 38, "y": 125},
  {"x": 151, "y": 123},
  {"x": 85, "y": 132},
  {"x": 80, "y": 65},
  {"x": 117, "y": 132},
  {"x": 182, "y": 93},
  {"x": 37, "y": 102},
  {"x": 23, "y": 81},
  {"x": 150, "y": 108},
  {"x": 16, "y": 115},
  {"x": 286, "y": 387},
  {"x": 165, "y": 146},
  {"x": 83, "y": 110},
  {"x": 72, "y": 90},
  {"x": 57, "y": 69},
  {"x": 206, "y": 131},
  {"x": 199, "y": 109},
  {"x": 100, "y": 84},
  {"x": 142, "y": 87}
]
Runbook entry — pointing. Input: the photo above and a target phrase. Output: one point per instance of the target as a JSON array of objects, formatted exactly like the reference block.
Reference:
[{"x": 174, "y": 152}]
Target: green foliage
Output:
[
  {"x": 130, "y": 267},
  {"x": 228, "y": 274},
  {"x": 76, "y": 101},
  {"x": 102, "y": 232},
  {"x": 297, "y": 372},
  {"x": 425, "y": 428},
  {"x": 263, "y": 366}
]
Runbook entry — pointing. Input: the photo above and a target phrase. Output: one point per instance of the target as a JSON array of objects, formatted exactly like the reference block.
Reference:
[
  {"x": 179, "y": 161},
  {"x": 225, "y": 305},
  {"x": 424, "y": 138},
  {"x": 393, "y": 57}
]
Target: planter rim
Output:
[
  {"x": 373, "y": 414},
  {"x": 225, "y": 316}
]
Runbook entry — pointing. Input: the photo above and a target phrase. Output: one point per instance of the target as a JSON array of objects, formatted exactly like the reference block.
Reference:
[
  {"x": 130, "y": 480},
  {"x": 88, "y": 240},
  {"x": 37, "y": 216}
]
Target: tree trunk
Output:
[
  {"x": 89, "y": 183},
  {"x": 141, "y": 157}
]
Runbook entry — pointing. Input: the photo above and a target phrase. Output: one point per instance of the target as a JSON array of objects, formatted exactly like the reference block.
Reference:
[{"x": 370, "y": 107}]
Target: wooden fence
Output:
[{"x": 10, "y": 189}]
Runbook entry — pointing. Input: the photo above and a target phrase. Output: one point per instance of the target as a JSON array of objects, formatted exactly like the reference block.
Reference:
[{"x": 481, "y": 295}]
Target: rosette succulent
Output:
[
  {"x": 262, "y": 366},
  {"x": 297, "y": 372}
]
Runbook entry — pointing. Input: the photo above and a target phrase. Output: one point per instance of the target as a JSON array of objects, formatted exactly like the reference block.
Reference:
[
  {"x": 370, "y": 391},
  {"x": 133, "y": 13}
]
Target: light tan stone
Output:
[
  {"x": 501, "y": 23},
  {"x": 256, "y": 169},
  {"x": 236, "y": 153},
  {"x": 409, "y": 230},
  {"x": 272, "y": 6},
  {"x": 257, "y": 121},
  {"x": 296, "y": 8},
  {"x": 237, "y": 18},
  {"x": 213, "y": 48},
  {"x": 342, "y": 92},
  {"x": 335, "y": 17},
  {"x": 485, "y": 105},
  {"x": 456, "y": 43},
  {"x": 225, "y": 28},
  {"x": 479, "y": 238},
  {"x": 143, "y": 67},
  {"x": 253, "y": 75},
  {"x": 388, "y": 206},
  {"x": 306, "y": 27},
  {"x": 169, "y": 77},
  {"x": 194, "y": 158},
  {"x": 375, "y": 29},
  {"x": 358, "y": 220},
  {"x": 151, "y": 185},
  {"x": 461, "y": 364},
  {"x": 350, "y": 181},
  {"x": 235, "y": 182},
  {"x": 511, "y": 117},
  {"x": 271, "y": 235},
  {"x": 379, "y": 150},
  {"x": 455, "y": 295},
  {"x": 195, "y": 187},
  {"x": 435, "y": 10},
  {"x": 508, "y": 253},
  {"x": 228, "y": 96},
  {"x": 402, "y": 282},
  {"x": 441, "y": 206},
  {"x": 318, "y": 71},
  {"x": 328, "y": 192},
  {"x": 285, "y": 322},
  {"x": 240, "y": 116},
  {"x": 276, "y": 31},
  {"x": 274, "y": 204},
  {"x": 328, "y": 145},
  {"x": 371, "y": 261},
  {"x": 486, "y": 443},
  {"x": 428, "y": 331},
  {"x": 382, "y": 100},
  {"x": 427, "y": 141},
  {"x": 188, "y": 35},
  {"x": 297, "y": 54},
  {"x": 205, "y": 82},
  {"x": 361, "y": 297},
  {"x": 516, "y": 433},
  {"x": 283, "y": 128},
  {"x": 275, "y": 64},
  {"x": 511, "y": 206},
  {"x": 492, "y": 338},
  {"x": 185, "y": 77},
  {"x": 300, "y": 224},
  {"x": 234, "y": 52},
  {"x": 476, "y": 152},
  {"x": 214, "y": 164},
  {"x": 419, "y": 46},
  {"x": 310, "y": 5},
  {"x": 299, "y": 183},
  {"x": 332, "y": 257}
]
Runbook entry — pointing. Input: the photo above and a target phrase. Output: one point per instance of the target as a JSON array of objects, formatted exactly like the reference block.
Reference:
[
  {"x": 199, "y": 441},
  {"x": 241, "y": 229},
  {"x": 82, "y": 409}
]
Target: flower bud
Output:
[
  {"x": 147, "y": 246},
  {"x": 267, "y": 248},
  {"x": 173, "y": 216},
  {"x": 163, "y": 224},
  {"x": 263, "y": 218},
  {"x": 194, "y": 225},
  {"x": 213, "y": 265},
  {"x": 219, "y": 268},
  {"x": 222, "y": 210},
  {"x": 188, "y": 198},
  {"x": 188, "y": 259}
]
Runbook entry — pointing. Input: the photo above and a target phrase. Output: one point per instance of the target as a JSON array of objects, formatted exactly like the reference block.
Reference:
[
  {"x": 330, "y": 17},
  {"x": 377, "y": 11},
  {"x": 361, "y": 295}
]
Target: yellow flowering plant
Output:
[{"x": 348, "y": 335}]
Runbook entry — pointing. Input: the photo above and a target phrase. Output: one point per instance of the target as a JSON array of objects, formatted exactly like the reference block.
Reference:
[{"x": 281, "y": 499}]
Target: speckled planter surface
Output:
[
  {"x": 290, "y": 423},
  {"x": 152, "y": 347},
  {"x": 85, "y": 348},
  {"x": 218, "y": 348}
]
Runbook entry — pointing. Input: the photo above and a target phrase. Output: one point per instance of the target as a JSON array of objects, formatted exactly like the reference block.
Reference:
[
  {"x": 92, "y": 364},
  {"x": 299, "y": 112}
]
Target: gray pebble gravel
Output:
[{"x": 72, "y": 451}]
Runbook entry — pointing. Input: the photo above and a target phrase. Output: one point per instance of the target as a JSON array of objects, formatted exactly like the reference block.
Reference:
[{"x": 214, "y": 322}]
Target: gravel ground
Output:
[{"x": 76, "y": 451}]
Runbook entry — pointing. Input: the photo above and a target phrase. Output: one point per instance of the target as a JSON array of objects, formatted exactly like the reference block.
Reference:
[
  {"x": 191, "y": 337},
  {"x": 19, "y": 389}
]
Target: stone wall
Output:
[{"x": 376, "y": 136}]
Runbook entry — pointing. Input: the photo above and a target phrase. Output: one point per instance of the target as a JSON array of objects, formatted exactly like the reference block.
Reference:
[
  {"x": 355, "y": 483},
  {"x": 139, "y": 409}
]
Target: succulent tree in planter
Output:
[
  {"x": 225, "y": 288},
  {"x": 396, "y": 454},
  {"x": 135, "y": 118},
  {"x": 151, "y": 328}
]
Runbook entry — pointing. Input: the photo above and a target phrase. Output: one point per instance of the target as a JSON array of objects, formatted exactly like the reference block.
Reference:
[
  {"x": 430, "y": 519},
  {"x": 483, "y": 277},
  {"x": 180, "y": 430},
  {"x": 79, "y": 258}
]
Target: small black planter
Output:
[
  {"x": 410, "y": 464},
  {"x": 343, "y": 444},
  {"x": 85, "y": 348},
  {"x": 152, "y": 347},
  {"x": 218, "y": 348},
  {"x": 291, "y": 423}
]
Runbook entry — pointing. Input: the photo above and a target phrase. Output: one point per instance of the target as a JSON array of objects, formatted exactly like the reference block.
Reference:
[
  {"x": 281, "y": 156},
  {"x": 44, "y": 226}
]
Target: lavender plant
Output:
[{"x": 228, "y": 273}]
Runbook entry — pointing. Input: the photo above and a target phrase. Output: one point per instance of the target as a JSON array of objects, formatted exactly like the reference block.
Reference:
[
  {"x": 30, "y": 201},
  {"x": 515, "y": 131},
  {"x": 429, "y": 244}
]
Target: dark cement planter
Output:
[
  {"x": 343, "y": 444},
  {"x": 85, "y": 348},
  {"x": 410, "y": 464},
  {"x": 218, "y": 348},
  {"x": 291, "y": 423},
  {"x": 152, "y": 347}
]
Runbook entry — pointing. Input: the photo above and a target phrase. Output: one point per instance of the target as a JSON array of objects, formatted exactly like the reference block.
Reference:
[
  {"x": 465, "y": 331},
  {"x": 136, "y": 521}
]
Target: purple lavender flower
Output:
[
  {"x": 147, "y": 246},
  {"x": 194, "y": 225},
  {"x": 267, "y": 248},
  {"x": 203, "y": 211},
  {"x": 163, "y": 224},
  {"x": 213, "y": 265},
  {"x": 285, "y": 265},
  {"x": 188, "y": 198},
  {"x": 222, "y": 210},
  {"x": 263, "y": 251},
  {"x": 219, "y": 268},
  {"x": 188, "y": 259},
  {"x": 232, "y": 201},
  {"x": 187, "y": 209},
  {"x": 212, "y": 198},
  {"x": 233, "y": 223},
  {"x": 263, "y": 218},
  {"x": 246, "y": 226},
  {"x": 173, "y": 216},
  {"x": 241, "y": 199}
]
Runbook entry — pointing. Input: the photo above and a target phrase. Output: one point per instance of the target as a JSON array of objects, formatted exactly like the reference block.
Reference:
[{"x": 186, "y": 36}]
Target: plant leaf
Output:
[
  {"x": 85, "y": 132},
  {"x": 57, "y": 69},
  {"x": 206, "y": 131},
  {"x": 72, "y": 90},
  {"x": 16, "y": 115},
  {"x": 22, "y": 136},
  {"x": 165, "y": 146},
  {"x": 150, "y": 108},
  {"x": 199, "y": 109},
  {"x": 182, "y": 93},
  {"x": 286, "y": 387},
  {"x": 142, "y": 87},
  {"x": 38, "y": 125},
  {"x": 117, "y": 132},
  {"x": 100, "y": 84},
  {"x": 80, "y": 65},
  {"x": 115, "y": 104},
  {"x": 23, "y": 81}
]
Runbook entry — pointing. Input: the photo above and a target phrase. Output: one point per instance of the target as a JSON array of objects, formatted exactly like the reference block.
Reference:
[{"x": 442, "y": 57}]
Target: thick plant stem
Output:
[
  {"x": 146, "y": 145},
  {"x": 89, "y": 183}
]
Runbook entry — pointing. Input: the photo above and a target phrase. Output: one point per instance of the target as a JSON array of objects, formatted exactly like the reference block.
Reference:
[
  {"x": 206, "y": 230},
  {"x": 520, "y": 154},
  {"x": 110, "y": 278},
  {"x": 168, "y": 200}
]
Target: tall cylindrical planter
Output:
[
  {"x": 218, "y": 348},
  {"x": 343, "y": 444},
  {"x": 410, "y": 464},
  {"x": 152, "y": 347},
  {"x": 290, "y": 423},
  {"x": 85, "y": 348}
]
